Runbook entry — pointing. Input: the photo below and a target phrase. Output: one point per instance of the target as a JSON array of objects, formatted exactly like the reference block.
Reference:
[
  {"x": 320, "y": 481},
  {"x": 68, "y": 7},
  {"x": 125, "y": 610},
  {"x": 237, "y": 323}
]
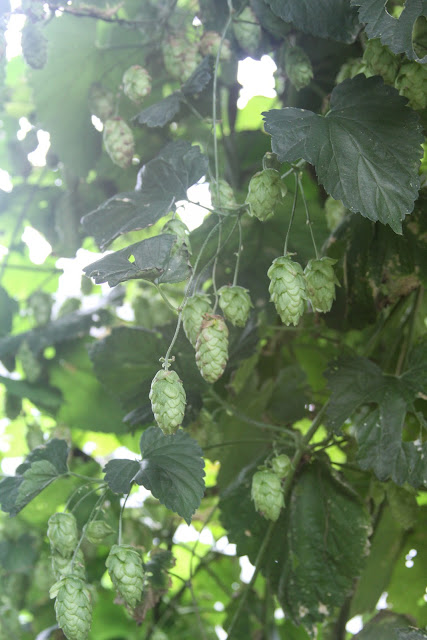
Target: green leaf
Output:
[
  {"x": 154, "y": 259},
  {"x": 410, "y": 634},
  {"x": 367, "y": 121},
  {"x": 156, "y": 568},
  {"x": 19, "y": 554},
  {"x": 160, "y": 113},
  {"x": 384, "y": 626},
  {"x": 199, "y": 79},
  {"x": 8, "y": 307},
  {"x": 172, "y": 469},
  {"x": 321, "y": 18},
  {"x": 34, "y": 480},
  {"x": 120, "y": 474},
  {"x": 395, "y": 33},
  {"x": 42, "y": 396}
]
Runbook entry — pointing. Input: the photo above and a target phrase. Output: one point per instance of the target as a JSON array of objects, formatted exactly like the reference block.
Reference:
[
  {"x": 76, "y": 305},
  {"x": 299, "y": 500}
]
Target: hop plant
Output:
[
  {"x": 31, "y": 365},
  {"x": 192, "y": 315},
  {"x": 40, "y": 304},
  {"x": 349, "y": 69},
  {"x": 65, "y": 566},
  {"x": 222, "y": 195},
  {"x": 267, "y": 494},
  {"x": 136, "y": 83},
  {"x": 212, "y": 347},
  {"x": 287, "y": 289},
  {"x": 281, "y": 465},
  {"x": 298, "y": 67},
  {"x": 124, "y": 565},
  {"x": 181, "y": 231},
  {"x": 209, "y": 45},
  {"x": 321, "y": 280},
  {"x": 247, "y": 31},
  {"x": 412, "y": 83},
  {"x": 380, "y": 61},
  {"x": 101, "y": 101},
  {"x": 34, "y": 45},
  {"x": 62, "y": 533},
  {"x": 335, "y": 212},
  {"x": 180, "y": 57},
  {"x": 97, "y": 530},
  {"x": 265, "y": 192},
  {"x": 12, "y": 405},
  {"x": 168, "y": 400},
  {"x": 119, "y": 142},
  {"x": 236, "y": 304},
  {"x": 73, "y": 607}
]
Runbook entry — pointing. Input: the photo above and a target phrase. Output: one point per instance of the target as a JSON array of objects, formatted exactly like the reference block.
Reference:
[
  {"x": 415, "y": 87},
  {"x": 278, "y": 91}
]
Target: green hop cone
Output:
[
  {"x": 101, "y": 101},
  {"x": 212, "y": 347},
  {"x": 180, "y": 230},
  {"x": 266, "y": 189},
  {"x": 136, "y": 83},
  {"x": 124, "y": 565},
  {"x": 119, "y": 142},
  {"x": 222, "y": 195},
  {"x": 267, "y": 494},
  {"x": 30, "y": 363},
  {"x": 412, "y": 83},
  {"x": 40, "y": 304},
  {"x": 281, "y": 465},
  {"x": 34, "y": 45},
  {"x": 209, "y": 45},
  {"x": 349, "y": 69},
  {"x": 287, "y": 289},
  {"x": 380, "y": 61},
  {"x": 97, "y": 530},
  {"x": 180, "y": 57},
  {"x": 192, "y": 315},
  {"x": 73, "y": 607},
  {"x": 168, "y": 400},
  {"x": 12, "y": 405},
  {"x": 247, "y": 30},
  {"x": 86, "y": 286},
  {"x": 65, "y": 566},
  {"x": 321, "y": 280},
  {"x": 298, "y": 67},
  {"x": 62, "y": 533},
  {"x": 335, "y": 212},
  {"x": 236, "y": 304}
]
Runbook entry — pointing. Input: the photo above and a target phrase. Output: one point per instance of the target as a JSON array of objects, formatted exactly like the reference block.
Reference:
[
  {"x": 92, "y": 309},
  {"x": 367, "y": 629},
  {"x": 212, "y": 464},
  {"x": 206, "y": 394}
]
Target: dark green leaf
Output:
[
  {"x": 156, "y": 568},
  {"x": 172, "y": 469},
  {"x": 353, "y": 148},
  {"x": 160, "y": 113},
  {"x": 154, "y": 259},
  {"x": 120, "y": 474},
  {"x": 322, "y": 18},
  {"x": 268, "y": 20},
  {"x": 8, "y": 307},
  {"x": 199, "y": 79},
  {"x": 42, "y": 396},
  {"x": 410, "y": 634},
  {"x": 416, "y": 375},
  {"x": 18, "y": 554},
  {"x": 395, "y": 33},
  {"x": 384, "y": 626}
]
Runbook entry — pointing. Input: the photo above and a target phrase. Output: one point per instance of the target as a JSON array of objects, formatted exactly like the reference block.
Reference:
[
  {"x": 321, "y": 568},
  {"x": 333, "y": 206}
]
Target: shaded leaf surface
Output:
[
  {"x": 160, "y": 113},
  {"x": 42, "y": 396},
  {"x": 353, "y": 148},
  {"x": 119, "y": 474}
]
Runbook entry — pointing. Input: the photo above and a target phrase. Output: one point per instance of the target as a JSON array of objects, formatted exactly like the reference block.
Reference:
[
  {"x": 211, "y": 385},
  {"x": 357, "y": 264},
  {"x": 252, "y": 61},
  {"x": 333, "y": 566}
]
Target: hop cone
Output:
[
  {"x": 62, "y": 533},
  {"x": 136, "y": 83},
  {"x": 168, "y": 400},
  {"x": 265, "y": 192},
  {"x": 212, "y": 347},
  {"x": 412, "y": 83},
  {"x": 287, "y": 289},
  {"x": 119, "y": 142},
  {"x": 40, "y": 304},
  {"x": 298, "y": 67},
  {"x": 180, "y": 57},
  {"x": 34, "y": 46},
  {"x": 73, "y": 607},
  {"x": 222, "y": 195},
  {"x": 101, "y": 102},
  {"x": 12, "y": 405},
  {"x": 236, "y": 304},
  {"x": 335, "y": 212},
  {"x": 267, "y": 494},
  {"x": 97, "y": 530},
  {"x": 209, "y": 45},
  {"x": 29, "y": 361},
  {"x": 350, "y": 69},
  {"x": 247, "y": 30},
  {"x": 321, "y": 280},
  {"x": 192, "y": 315},
  {"x": 380, "y": 61},
  {"x": 180, "y": 230},
  {"x": 281, "y": 465},
  {"x": 124, "y": 565},
  {"x": 64, "y": 566}
]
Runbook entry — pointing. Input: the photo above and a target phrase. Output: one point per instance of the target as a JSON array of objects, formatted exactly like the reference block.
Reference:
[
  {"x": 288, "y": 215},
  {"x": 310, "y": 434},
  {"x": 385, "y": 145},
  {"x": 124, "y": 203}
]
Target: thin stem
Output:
[
  {"x": 294, "y": 205},
  {"x": 193, "y": 551},
  {"x": 403, "y": 357},
  {"x": 216, "y": 254},
  {"x": 197, "y": 610},
  {"x": 295, "y": 167},
  {"x": 121, "y": 518},
  {"x": 230, "y": 443},
  {"x": 310, "y": 224},
  {"x": 239, "y": 250},
  {"x": 95, "y": 510},
  {"x": 168, "y": 303}
]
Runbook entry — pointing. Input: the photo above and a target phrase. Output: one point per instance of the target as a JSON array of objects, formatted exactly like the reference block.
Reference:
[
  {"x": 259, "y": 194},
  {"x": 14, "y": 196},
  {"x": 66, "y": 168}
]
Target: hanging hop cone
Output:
[
  {"x": 298, "y": 67},
  {"x": 101, "y": 102},
  {"x": 335, "y": 212},
  {"x": 222, "y": 195},
  {"x": 180, "y": 57},
  {"x": 236, "y": 304},
  {"x": 31, "y": 365},
  {"x": 281, "y": 465},
  {"x": 349, "y": 69},
  {"x": 287, "y": 289},
  {"x": 247, "y": 30},
  {"x": 12, "y": 405},
  {"x": 126, "y": 571},
  {"x": 267, "y": 494},
  {"x": 321, "y": 280},
  {"x": 412, "y": 83},
  {"x": 34, "y": 45},
  {"x": 180, "y": 230},
  {"x": 119, "y": 142},
  {"x": 209, "y": 45},
  {"x": 62, "y": 533},
  {"x": 40, "y": 304},
  {"x": 380, "y": 61},
  {"x": 136, "y": 83},
  {"x": 265, "y": 191},
  {"x": 73, "y": 607},
  {"x": 97, "y": 530},
  {"x": 212, "y": 347},
  {"x": 65, "y": 566},
  {"x": 192, "y": 315},
  {"x": 168, "y": 400}
]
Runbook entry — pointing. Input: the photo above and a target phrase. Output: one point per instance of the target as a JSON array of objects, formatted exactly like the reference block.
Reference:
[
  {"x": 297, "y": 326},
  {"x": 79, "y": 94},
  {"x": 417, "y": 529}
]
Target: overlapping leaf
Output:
[
  {"x": 353, "y": 148},
  {"x": 120, "y": 474}
]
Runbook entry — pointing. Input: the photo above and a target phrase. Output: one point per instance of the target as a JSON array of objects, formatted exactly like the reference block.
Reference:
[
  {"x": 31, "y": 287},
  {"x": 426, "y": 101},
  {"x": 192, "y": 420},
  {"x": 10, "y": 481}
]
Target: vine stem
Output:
[
  {"x": 216, "y": 254},
  {"x": 294, "y": 206},
  {"x": 168, "y": 303},
  {"x": 403, "y": 357},
  {"x": 95, "y": 510},
  {"x": 121, "y": 519},
  {"x": 239, "y": 250},
  {"x": 310, "y": 224}
]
